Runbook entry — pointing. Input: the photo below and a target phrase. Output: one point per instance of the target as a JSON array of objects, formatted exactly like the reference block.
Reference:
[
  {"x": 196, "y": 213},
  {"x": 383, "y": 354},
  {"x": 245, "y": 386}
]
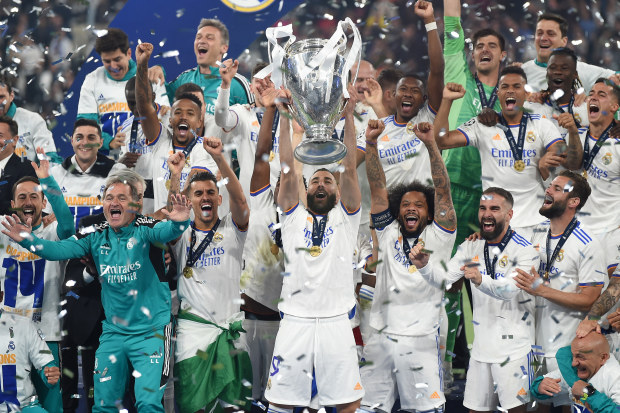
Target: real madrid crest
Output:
[
  {"x": 530, "y": 137},
  {"x": 218, "y": 237},
  {"x": 606, "y": 158},
  {"x": 421, "y": 242},
  {"x": 560, "y": 256},
  {"x": 503, "y": 261},
  {"x": 410, "y": 128}
]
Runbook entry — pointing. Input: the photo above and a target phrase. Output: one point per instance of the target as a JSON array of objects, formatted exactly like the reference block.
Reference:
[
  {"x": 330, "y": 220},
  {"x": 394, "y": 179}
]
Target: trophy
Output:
[{"x": 316, "y": 71}]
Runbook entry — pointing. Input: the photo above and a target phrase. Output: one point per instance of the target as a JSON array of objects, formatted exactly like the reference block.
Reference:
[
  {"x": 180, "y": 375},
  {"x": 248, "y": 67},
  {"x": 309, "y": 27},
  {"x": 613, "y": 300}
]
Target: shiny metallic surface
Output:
[{"x": 312, "y": 106}]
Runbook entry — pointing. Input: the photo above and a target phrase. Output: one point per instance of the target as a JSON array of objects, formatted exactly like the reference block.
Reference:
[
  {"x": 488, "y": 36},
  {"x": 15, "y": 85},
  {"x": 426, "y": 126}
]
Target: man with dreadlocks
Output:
[{"x": 407, "y": 215}]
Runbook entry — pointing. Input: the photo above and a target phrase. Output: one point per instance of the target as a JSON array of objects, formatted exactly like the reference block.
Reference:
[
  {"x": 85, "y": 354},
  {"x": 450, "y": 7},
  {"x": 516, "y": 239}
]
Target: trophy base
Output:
[{"x": 320, "y": 151}]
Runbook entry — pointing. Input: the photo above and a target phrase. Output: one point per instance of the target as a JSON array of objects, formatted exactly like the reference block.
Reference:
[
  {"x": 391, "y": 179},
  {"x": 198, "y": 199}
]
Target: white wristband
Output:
[{"x": 431, "y": 26}]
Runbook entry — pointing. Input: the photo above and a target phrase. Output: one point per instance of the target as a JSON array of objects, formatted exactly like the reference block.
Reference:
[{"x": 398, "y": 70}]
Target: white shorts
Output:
[
  {"x": 491, "y": 384},
  {"x": 611, "y": 245},
  {"x": 403, "y": 366},
  {"x": 321, "y": 346},
  {"x": 260, "y": 337},
  {"x": 563, "y": 398}
]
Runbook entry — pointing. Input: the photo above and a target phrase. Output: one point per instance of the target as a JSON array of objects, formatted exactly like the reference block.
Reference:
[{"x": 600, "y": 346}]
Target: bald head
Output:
[
  {"x": 366, "y": 71},
  {"x": 589, "y": 354}
]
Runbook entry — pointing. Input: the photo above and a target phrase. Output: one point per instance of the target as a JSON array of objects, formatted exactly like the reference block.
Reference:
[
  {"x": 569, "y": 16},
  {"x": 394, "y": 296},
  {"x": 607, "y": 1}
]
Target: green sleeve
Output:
[
  {"x": 601, "y": 403},
  {"x": 171, "y": 88},
  {"x": 54, "y": 157},
  {"x": 534, "y": 389},
  {"x": 564, "y": 357},
  {"x": 42, "y": 375},
  {"x": 66, "y": 226},
  {"x": 167, "y": 231},
  {"x": 456, "y": 68},
  {"x": 58, "y": 250},
  {"x": 238, "y": 93}
]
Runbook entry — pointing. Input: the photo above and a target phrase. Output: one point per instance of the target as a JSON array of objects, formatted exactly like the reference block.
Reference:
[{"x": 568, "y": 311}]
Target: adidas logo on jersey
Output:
[
  {"x": 63, "y": 189},
  {"x": 435, "y": 395},
  {"x": 106, "y": 246},
  {"x": 358, "y": 386},
  {"x": 522, "y": 392},
  {"x": 101, "y": 97}
]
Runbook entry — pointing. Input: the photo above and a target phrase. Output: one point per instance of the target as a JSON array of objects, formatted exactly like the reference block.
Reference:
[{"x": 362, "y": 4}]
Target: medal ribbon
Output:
[
  {"x": 318, "y": 230},
  {"x": 407, "y": 247},
  {"x": 588, "y": 157},
  {"x": 190, "y": 146},
  {"x": 277, "y": 237},
  {"x": 193, "y": 255},
  {"x": 274, "y": 127},
  {"x": 551, "y": 258},
  {"x": 490, "y": 266},
  {"x": 134, "y": 135},
  {"x": 515, "y": 147},
  {"x": 483, "y": 96},
  {"x": 557, "y": 107}
]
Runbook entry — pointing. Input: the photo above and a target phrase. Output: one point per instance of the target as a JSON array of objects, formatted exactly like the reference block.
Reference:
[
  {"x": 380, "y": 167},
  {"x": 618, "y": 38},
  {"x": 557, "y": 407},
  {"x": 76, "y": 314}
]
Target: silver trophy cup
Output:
[{"x": 317, "y": 90}]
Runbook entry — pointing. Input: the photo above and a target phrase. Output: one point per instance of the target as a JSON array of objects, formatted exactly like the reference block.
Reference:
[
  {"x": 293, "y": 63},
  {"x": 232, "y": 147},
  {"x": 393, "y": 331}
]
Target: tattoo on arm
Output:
[
  {"x": 444, "y": 208},
  {"x": 608, "y": 299},
  {"x": 376, "y": 175}
]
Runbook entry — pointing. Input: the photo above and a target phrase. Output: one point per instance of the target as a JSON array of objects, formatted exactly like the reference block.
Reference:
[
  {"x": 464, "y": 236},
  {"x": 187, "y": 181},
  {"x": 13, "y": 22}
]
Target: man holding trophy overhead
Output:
[{"x": 315, "y": 341}]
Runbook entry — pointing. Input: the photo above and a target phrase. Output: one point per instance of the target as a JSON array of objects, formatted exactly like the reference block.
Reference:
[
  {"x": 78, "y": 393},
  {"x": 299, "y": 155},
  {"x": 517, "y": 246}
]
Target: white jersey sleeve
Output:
[
  {"x": 33, "y": 133},
  {"x": 88, "y": 100}
]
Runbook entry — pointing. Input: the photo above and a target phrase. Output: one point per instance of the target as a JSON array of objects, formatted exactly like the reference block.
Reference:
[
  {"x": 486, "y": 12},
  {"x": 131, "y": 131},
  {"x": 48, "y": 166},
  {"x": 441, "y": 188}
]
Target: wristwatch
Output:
[{"x": 588, "y": 391}]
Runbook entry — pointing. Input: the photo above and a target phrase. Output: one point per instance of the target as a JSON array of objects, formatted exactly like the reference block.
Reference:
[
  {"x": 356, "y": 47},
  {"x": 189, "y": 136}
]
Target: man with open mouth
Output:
[
  {"x": 403, "y": 350},
  {"x": 500, "y": 370},
  {"x": 209, "y": 255},
  {"x": 510, "y": 149},
  {"x": 135, "y": 299},
  {"x": 32, "y": 284},
  {"x": 551, "y": 33},
  {"x": 572, "y": 271},
  {"x": 182, "y": 136}
]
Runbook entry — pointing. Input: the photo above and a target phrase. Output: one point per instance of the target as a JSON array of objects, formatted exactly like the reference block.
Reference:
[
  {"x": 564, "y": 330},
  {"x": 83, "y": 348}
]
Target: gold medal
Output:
[
  {"x": 168, "y": 184},
  {"x": 412, "y": 269},
  {"x": 315, "y": 251},
  {"x": 272, "y": 155},
  {"x": 188, "y": 272},
  {"x": 519, "y": 166},
  {"x": 584, "y": 174},
  {"x": 275, "y": 249}
]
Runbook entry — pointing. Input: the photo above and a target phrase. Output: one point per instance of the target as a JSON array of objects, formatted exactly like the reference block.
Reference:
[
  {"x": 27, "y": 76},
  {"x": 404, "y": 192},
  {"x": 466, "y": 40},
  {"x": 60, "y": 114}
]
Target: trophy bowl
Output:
[{"x": 317, "y": 99}]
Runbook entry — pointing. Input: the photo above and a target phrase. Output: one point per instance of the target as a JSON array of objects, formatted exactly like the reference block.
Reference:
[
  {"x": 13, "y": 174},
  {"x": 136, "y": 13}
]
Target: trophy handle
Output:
[{"x": 276, "y": 56}]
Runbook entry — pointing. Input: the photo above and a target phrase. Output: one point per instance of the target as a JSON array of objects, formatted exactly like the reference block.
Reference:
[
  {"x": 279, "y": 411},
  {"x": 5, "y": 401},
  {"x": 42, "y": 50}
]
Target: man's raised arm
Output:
[{"x": 144, "y": 98}]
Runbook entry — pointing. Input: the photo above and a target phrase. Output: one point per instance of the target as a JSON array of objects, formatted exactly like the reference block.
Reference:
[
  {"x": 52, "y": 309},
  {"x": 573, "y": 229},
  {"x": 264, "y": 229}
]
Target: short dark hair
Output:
[
  {"x": 112, "y": 40},
  {"x": 13, "y": 127},
  {"x": 218, "y": 25},
  {"x": 416, "y": 77},
  {"x": 202, "y": 176},
  {"x": 258, "y": 67},
  {"x": 87, "y": 122},
  {"x": 489, "y": 32},
  {"x": 564, "y": 51},
  {"x": 22, "y": 180},
  {"x": 561, "y": 21},
  {"x": 580, "y": 187},
  {"x": 398, "y": 191},
  {"x": 501, "y": 192},
  {"x": 615, "y": 88},
  {"x": 513, "y": 70},
  {"x": 6, "y": 80},
  {"x": 188, "y": 96},
  {"x": 187, "y": 88},
  {"x": 389, "y": 78},
  {"x": 323, "y": 170}
]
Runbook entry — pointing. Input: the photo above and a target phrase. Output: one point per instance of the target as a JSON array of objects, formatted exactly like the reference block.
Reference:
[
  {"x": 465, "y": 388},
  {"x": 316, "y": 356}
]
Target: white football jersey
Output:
[
  {"x": 497, "y": 162},
  {"x": 22, "y": 348},
  {"x": 105, "y": 96},
  {"x": 600, "y": 213},
  {"x": 264, "y": 260},
  {"x": 537, "y": 74},
  {"x": 33, "y": 133},
  {"x": 546, "y": 110},
  {"x": 213, "y": 290},
  {"x": 503, "y": 315},
  {"x": 31, "y": 284},
  {"x": 400, "y": 291},
  {"x": 322, "y": 285},
  {"x": 580, "y": 262}
]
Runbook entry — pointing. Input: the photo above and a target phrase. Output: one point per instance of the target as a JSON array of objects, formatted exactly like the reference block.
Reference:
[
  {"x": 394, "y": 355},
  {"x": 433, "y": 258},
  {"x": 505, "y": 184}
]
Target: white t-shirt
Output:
[
  {"x": 403, "y": 156},
  {"x": 263, "y": 269},
  {"x": 399, "y": 293},
  {"x": 22, "y": 348},
  {"x": 580, "y": 262},
  {"x": 497, "y": 162},
  {"x": 162, "y": 148},
  {"x": 33, "y": 133},
  {"x": 213, "y": 290},
  {"x": 503, "y": 315},
  {"x": 31, "y": 284},
  {"x": 537, "y": 74},
  {"x": 105, "y": 96},
  {"x": 320, "y": 286},
  {"x": 600, "y": 213}
]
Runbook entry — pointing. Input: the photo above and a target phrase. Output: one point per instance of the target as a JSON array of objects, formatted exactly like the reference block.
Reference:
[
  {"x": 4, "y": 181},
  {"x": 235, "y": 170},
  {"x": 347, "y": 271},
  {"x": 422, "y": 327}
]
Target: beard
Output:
[
  {"x": 553, "y": 211},
  {"x": 491, "y": 235},
  {"x": 321, "y": 208}
]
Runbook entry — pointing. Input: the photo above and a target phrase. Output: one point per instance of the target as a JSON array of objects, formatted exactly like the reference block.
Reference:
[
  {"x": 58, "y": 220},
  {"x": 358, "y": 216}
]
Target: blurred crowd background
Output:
[{"x": 44, "y": 43}]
